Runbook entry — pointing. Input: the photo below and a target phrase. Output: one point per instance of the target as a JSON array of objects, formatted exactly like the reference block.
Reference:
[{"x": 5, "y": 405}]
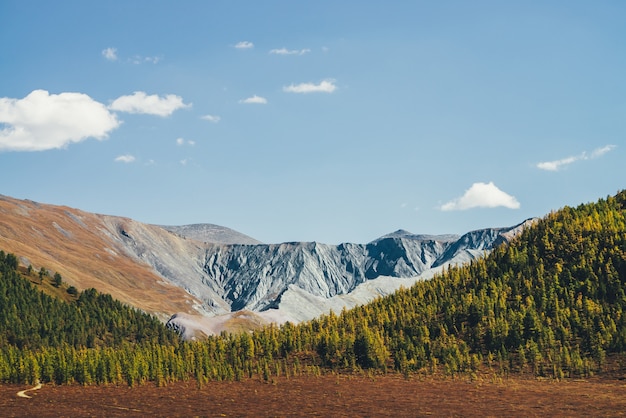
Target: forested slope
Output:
[
  {"x": 29, "y": 318},
  {"x": 550, "y": 303},
  {"x": 552, "y": 300}
]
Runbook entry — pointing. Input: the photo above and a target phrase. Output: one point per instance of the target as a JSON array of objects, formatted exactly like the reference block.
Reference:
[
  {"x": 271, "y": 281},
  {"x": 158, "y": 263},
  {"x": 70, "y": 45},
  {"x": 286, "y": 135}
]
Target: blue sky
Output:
[{"x": 328, "y": 121}]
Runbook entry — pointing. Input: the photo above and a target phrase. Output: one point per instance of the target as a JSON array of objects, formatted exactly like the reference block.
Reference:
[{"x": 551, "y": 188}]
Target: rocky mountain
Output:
[
  {"x": 299, "y": 281},
  {"x": 254, "y": 277},
  {"x": 203, "y": 270}
]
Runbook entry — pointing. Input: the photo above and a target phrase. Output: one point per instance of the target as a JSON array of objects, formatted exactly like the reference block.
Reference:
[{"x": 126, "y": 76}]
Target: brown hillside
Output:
[{"x": 86, "y": 249}]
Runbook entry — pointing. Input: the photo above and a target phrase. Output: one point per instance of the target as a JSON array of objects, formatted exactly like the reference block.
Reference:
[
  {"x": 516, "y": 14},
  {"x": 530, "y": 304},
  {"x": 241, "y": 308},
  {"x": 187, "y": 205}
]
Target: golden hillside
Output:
[{"x": 89, "y": 250}]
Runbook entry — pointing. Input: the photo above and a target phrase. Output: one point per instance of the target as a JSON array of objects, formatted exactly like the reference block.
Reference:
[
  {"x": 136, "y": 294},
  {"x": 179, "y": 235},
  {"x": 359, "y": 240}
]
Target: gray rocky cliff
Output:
[{"x": 253, "y": 277}]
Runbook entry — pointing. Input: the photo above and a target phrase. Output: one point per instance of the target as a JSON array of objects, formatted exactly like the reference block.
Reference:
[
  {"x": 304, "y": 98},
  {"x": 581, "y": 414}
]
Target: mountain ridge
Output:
[
  {"x": 168, "y": 270},
  {"x": 299, "y": 281}
]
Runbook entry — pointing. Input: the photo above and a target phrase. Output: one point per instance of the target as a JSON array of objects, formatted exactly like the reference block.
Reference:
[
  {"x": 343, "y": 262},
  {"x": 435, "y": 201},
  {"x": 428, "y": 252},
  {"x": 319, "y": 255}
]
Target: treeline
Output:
[{"x": 550, "y": 303}]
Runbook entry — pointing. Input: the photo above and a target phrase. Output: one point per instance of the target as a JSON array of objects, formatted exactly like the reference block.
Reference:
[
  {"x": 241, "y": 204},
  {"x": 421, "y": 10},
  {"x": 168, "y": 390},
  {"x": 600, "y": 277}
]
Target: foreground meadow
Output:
[{"x": 329, "y": 395}]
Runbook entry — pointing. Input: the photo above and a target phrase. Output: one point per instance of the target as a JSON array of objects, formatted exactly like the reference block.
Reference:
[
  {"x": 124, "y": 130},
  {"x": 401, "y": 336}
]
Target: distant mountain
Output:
[
  {"x": 301, "y": 280},
  {"x": 210, "y": 270},
  {"x": 254, "y": 277},
  {"x": 211, "y": 233}
]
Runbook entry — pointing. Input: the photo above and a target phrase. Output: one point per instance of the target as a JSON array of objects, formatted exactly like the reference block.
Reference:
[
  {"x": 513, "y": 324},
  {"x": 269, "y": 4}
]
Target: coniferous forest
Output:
[{"x": 550, "y": 303}]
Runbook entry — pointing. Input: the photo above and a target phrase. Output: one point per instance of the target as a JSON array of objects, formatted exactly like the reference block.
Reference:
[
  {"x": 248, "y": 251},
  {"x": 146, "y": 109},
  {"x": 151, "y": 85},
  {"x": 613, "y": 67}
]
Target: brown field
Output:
[{"x": 327, "y": 396}]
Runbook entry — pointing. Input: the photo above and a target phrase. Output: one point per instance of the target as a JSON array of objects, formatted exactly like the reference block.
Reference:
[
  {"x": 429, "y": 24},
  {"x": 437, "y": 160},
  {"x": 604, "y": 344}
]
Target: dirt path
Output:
[{"x": 22, "y": 393}]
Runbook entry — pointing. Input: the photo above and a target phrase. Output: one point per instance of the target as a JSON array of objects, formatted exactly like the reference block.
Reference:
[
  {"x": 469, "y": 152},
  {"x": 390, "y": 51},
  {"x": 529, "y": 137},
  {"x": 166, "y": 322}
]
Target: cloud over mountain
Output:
[
  {"x": 140, "y": 102},
  {"x": 482, "y": 195},
  {"x": 43, "y": 121}
]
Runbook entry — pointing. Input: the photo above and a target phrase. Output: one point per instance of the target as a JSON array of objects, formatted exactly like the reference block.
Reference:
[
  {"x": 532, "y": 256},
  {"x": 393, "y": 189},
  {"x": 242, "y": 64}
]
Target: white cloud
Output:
[
  {"x": 211, "y": 118},
  {"x": 254, "y": 100},
  {"x": 110, "y": 54},
  {"x": 482, "y": 195},
  {"x": 285, "y": 51},
  {"x": 244, "y": 45},
  {"x": 182, "y": 141},
  {"x": 326, "y": 86},
  {"x": 139, "y": 59},
  {"x": 140, "y": 102},
  {"x": 599, "y": 152},
  {"x": 556, "y": 165},
  {"x": 43, "y": 121},
  {"x": 127, "y": 158}
]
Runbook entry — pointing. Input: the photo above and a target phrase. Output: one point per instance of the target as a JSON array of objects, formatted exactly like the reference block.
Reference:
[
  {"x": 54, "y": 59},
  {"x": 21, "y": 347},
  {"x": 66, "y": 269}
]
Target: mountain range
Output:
[{"x": 206, "y": 278}]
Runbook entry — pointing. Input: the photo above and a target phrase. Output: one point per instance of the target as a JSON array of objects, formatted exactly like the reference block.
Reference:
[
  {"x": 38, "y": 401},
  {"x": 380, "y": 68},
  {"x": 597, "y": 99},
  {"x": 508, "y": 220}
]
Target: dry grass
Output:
[{"x": 332, "y": 395}]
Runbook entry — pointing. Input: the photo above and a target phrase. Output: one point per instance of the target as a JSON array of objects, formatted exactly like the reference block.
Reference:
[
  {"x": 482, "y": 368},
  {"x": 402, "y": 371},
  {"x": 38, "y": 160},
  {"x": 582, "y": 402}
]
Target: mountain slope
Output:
[
  {"x": 551, "y": 302},
  {"x": 95, "y": 251}
]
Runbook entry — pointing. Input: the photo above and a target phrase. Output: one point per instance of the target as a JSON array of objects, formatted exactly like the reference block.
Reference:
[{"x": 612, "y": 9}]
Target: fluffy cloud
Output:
[
  {"x": 326, "y": 86},
  {"x": 244, "y": 45},
  {"x": 211, "y": 118},
  {"x": 127, "y": 158},
  {"x": 43, "y": 121},
  {"x": 556, "y": 165},
  {"x": 110, "y": 54},
  {"x": 285, "y": 51},
  {"x": 140, "y": 102},
  {"x": 254, "y": 100},
  {"x": 482, "y": 195}
]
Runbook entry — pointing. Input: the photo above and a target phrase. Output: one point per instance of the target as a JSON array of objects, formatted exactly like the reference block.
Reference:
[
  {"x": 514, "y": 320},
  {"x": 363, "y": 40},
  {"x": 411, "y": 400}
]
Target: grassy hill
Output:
[{"x": 550, "y": 303}]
